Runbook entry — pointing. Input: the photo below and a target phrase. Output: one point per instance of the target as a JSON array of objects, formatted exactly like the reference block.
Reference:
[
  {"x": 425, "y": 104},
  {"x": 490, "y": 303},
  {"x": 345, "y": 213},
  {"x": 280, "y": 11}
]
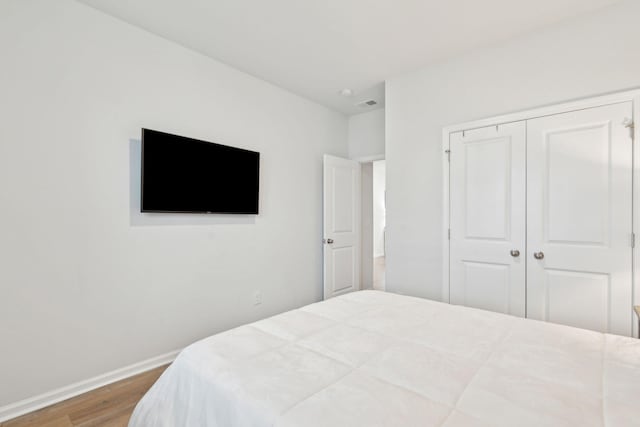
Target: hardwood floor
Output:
[{"x": 108, "y": 406}]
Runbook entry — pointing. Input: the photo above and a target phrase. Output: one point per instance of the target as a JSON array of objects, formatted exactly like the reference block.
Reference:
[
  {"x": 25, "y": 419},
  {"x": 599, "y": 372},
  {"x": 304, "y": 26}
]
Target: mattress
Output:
[{"x": 372, "y": 358}]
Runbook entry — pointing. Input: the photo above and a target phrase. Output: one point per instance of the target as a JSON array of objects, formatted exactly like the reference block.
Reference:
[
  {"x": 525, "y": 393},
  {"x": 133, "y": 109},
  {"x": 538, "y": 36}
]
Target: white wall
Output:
[
  {"x": 378, "y": 207},
  {"x": 590, "y": 55},
  {"x": 366, "y": 135},
  {"x": 87, "y": 283}
]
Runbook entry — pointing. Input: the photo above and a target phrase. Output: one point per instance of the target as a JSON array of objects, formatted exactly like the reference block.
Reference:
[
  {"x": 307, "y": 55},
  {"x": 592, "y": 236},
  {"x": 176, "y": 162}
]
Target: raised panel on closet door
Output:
[
  {"x": 487, "y": 220},
  {"x": 579, "y": 185}
]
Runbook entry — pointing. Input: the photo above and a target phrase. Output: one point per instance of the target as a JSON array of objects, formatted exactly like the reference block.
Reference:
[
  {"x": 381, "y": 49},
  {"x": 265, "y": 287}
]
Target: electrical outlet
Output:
[{"x": 257, "y": 298}]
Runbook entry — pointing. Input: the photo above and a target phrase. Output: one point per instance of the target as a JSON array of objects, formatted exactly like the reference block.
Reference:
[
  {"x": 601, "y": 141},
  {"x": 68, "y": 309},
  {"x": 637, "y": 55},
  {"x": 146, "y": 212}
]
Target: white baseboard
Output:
[{"x": 31, "y": 404}]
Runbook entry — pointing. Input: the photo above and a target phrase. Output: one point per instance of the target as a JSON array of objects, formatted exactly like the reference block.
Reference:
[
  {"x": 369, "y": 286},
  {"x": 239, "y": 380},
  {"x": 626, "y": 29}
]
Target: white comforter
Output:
[{"x": 377, "y": 359}]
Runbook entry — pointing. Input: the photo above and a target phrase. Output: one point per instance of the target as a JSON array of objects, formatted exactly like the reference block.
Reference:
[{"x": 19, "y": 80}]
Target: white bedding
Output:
[{"x": 378, "y": 359}]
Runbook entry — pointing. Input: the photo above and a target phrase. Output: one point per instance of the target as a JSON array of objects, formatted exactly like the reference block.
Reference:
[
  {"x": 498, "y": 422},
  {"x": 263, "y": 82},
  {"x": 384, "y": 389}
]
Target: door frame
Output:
[{"x": 549, "y": 110}]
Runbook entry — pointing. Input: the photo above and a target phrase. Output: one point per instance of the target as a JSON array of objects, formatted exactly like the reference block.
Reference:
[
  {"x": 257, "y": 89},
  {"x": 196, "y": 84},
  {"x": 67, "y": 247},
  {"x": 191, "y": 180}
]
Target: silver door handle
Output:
[
  {"x": 515, "y": 253},
  {"x": 538, "y": 255},
  {"x": 329, "y": 241}
]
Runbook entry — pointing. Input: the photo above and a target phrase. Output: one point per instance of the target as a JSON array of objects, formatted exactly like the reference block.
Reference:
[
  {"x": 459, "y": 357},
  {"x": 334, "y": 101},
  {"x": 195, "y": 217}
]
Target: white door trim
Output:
[
  {"x": 564, "y": 107},
  {"x": 446, "y": 138},
  {"x": 369, "y": 159}
]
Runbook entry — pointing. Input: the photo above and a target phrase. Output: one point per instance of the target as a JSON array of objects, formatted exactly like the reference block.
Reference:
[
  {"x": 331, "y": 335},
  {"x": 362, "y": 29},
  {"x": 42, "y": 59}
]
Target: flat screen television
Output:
[{"x": 187, "y": 175}]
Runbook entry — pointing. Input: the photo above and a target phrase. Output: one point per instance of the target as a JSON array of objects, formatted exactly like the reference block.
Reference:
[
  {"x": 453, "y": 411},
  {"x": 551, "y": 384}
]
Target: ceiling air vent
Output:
[{"x": 365, "y": 104}]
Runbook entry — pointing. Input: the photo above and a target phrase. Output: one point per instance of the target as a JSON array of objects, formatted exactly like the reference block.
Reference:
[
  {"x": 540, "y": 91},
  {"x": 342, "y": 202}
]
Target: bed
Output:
[{"x": 372, "y": 358}]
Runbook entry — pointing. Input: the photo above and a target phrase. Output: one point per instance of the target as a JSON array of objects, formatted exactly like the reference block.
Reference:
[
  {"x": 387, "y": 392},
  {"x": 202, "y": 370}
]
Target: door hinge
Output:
[
  {"x": 448, "y": 153},
  {"x": 448, "y": 234},
  {"x": 633, "y": 240},
  {"x": 628, "y": 123}
]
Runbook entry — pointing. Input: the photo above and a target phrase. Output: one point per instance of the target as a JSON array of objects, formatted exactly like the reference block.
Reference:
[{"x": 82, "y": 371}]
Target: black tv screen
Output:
[{"x": 181, "y": 174}]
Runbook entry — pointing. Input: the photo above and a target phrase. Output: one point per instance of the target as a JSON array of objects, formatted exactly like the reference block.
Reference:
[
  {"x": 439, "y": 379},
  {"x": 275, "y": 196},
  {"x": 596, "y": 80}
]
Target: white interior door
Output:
[
  {"x": 487, "y": 223},
  {"x": 579, "y": 219},
  {"x": 342, "y": 195}
]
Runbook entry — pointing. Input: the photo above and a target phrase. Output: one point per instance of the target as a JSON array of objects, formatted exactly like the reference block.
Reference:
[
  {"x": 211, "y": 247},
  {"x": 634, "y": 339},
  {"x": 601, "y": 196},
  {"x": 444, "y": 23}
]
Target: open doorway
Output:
[{"x": 373, "y": 225}]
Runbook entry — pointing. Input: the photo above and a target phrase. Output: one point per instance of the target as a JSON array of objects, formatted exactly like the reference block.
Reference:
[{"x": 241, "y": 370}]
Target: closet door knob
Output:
[
  {"x": 515, "y": 253},
  {"x": 538, "y": 255},
  {"x": 329, "y": 241}
]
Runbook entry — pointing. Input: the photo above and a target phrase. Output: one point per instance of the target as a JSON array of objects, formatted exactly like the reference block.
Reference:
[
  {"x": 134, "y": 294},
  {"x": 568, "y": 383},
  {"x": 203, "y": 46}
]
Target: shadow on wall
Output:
[{"x": 140, "y": 219}]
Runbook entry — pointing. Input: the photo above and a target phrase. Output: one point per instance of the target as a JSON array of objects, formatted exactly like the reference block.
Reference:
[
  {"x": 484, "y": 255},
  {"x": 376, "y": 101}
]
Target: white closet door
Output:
[
  {"x": 487, "y": 193},
  {"x": 579, "y": 219}
]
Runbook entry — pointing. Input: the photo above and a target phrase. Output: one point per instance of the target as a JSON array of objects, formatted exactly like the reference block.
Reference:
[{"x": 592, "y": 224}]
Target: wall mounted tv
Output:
[{"x": 187, "y": 175}]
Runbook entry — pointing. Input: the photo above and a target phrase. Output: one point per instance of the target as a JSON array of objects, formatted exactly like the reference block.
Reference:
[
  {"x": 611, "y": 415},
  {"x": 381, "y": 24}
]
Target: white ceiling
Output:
[{"x": 316, "y": 48}]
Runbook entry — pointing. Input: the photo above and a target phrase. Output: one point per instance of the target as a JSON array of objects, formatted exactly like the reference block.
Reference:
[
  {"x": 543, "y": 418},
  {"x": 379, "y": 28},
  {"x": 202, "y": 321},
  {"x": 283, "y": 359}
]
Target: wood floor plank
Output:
[
  {"x": 108, "y": 406},
  {"x": 57, "y": 422},
  {"x": 117, "y": 417}
]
